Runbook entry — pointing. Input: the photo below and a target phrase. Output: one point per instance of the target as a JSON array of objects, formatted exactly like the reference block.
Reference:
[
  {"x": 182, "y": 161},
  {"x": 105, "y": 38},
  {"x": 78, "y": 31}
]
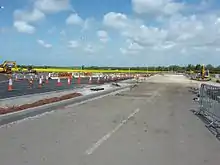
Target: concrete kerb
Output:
[{"x": 19, "y": 115}]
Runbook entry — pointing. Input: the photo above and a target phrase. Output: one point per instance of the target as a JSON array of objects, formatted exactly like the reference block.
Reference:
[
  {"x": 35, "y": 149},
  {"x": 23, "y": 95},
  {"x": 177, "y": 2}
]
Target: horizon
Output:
[{"x": 110, "y": 33}]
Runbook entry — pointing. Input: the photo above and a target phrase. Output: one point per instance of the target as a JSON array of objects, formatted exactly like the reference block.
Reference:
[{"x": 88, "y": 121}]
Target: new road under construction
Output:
[{"x": 160, "y": 119}]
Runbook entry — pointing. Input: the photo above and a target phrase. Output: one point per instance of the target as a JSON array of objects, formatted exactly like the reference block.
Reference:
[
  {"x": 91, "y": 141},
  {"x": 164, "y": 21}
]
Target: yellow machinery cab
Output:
[{"x": 7, "y": 67}]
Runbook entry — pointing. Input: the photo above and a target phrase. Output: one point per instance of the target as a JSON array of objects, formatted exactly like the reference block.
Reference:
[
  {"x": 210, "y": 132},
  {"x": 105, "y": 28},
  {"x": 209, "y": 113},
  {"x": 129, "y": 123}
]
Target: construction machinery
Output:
[
  {"x": 7, "y": 67},
  {"x": 204, "y": 72}
]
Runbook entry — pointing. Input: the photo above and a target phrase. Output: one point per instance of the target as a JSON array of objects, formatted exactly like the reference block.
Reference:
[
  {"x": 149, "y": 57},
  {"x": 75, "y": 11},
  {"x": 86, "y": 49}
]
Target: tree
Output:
[
  {"x": 209, "y": 67},
  {"x": 198, "y": 67},
  {"x": 190, "y": 67}
]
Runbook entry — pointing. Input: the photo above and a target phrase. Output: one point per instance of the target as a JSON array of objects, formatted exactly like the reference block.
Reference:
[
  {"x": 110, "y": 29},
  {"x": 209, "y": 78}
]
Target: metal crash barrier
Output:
[{"x": 209, "y": 106}]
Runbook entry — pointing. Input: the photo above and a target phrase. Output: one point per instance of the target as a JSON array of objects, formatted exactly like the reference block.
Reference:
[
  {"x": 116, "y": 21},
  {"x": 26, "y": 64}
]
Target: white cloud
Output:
[
  {"x": 23, "y": 18},
  {"x": 185, "y": 36},
  {"x": 24, "y": 27},
  {"x": 131, "y": 48},
  {"x": 89, "y": 48},
  {"x": 103, "y": 36},
  {"x": 115, "y": 20},
  {"x": 52, "y": 6},
  {"x": 28, "y": 16},
  {"x": 167, "y": 7},
  {"x": 127, "y": 51},
  {"x": 73, "y": 44},
  {"x": 92, "y": 48},
  {"x": 88, "y": 24},
  {"x": 44, "y": 44},
  {"x": 74, "y": 19}
]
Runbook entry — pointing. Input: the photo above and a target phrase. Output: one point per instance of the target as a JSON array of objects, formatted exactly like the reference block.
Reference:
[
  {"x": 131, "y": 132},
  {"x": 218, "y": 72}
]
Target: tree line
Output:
[{"x": 175, "y": 68}]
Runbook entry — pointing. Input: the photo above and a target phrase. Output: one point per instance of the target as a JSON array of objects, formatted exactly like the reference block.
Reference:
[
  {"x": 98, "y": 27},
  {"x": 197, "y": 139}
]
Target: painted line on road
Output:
[
  {"x": 109, "y": 134},
  {"x": 96, "y": 145}
]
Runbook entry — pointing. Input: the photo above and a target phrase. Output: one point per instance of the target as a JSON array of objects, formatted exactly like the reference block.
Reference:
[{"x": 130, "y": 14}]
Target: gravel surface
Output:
[{"x": 150, "y": 124}]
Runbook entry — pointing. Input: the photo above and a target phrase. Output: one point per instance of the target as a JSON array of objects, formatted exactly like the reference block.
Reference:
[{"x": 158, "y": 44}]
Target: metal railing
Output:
[{"x": 209, "y": 106}]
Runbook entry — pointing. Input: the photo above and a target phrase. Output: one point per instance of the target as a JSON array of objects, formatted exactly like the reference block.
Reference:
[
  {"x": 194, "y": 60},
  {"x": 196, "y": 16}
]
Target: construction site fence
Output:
[{"x": 209, "y": 106}]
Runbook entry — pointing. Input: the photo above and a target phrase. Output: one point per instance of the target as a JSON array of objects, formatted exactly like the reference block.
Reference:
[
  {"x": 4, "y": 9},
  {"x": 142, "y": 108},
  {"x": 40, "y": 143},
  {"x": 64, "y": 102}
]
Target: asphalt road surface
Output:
[
  {"x": 22, "y": 87},
  {"x": 3, "y": 78},
  {"x": 151, "y": 124}
]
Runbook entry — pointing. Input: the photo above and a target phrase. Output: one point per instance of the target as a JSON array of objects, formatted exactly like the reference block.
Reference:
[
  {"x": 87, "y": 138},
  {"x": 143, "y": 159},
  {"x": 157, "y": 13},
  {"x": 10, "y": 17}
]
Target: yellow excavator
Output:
[{"x": 7, "y": 67}]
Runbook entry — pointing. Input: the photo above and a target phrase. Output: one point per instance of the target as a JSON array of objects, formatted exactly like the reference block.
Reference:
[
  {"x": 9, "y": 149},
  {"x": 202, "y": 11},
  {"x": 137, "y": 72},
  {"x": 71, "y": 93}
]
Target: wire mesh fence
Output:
[{"x": 209, "y": 106}]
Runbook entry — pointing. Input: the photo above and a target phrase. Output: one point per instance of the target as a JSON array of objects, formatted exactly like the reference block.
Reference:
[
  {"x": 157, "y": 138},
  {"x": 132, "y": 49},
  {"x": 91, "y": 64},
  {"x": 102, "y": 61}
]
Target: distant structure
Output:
[{"x": 204, "y": 72}]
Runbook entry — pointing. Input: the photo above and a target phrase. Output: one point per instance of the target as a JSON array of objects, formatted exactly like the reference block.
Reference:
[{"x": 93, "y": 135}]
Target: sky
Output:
[{"x": 110, "y": 32}]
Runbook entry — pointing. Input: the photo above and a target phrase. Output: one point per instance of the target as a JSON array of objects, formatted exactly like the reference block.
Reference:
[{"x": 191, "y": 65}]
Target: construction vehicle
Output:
[
  {"x": 204, "y": 72},
  {"x": 31, "y": 70},
  {"x": 7, "y": 67}
]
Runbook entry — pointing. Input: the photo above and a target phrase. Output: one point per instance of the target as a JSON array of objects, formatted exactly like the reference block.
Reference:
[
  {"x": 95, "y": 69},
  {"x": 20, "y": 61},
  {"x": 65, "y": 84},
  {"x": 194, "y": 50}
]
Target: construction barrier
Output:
[
  {"x": 35, "y": 83},
  {"x": 10, "y": 83},
  {"x": 209, "y": 106}
]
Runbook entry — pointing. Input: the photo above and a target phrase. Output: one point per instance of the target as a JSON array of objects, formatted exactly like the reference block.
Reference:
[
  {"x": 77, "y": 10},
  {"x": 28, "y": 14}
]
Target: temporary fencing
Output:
[{"x": 209, "y": 106}]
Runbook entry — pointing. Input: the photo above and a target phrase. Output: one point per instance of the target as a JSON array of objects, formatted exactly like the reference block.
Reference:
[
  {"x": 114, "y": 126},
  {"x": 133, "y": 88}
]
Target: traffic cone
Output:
[
  {"x": 98, "y": 80},
  {"x": 112, "y": 78},
  {"x": 69, "y": 81},
  {"x": 47, "y": 81},
  {"x": 10, "y": 84},
  {"x": 79, "y": 79},
  {"x": 58, "y": 82},
  {"x": 90, "y": 80},
  {"x": 105, "y": 78},
  {"x": 40, "y": 83}
]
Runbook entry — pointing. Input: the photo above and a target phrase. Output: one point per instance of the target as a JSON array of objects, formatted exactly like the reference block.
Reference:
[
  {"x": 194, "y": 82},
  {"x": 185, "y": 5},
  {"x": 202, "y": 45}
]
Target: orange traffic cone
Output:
[
  {"x": 79, "y": 79},
  {"x": 47, "y": 81},
  {"x": 58, "y": 82},
  {"x": 10, "y": 84},
  {"x": 90, "y": 80},
  {"x": 40, "y": 83},
  {"x": 69, "y": 81},
  {"x": 98, "y": 80}
]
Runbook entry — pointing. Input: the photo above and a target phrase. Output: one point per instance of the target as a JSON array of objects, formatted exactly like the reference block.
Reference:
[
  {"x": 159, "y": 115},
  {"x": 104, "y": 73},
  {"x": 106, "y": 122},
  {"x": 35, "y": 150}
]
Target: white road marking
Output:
[{"x": 109, "y": 134}]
